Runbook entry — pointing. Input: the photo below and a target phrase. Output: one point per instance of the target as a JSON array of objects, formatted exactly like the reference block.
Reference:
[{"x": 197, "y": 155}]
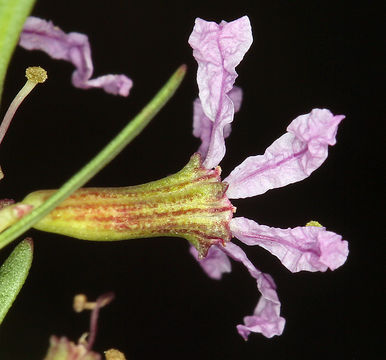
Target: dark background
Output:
[{"x": 305, "y": 54}]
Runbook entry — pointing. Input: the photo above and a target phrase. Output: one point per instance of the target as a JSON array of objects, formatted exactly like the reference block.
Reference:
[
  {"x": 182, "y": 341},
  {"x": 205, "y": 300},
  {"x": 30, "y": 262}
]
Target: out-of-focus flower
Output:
[
  {"x": 64, "y": 349},
  {"x": 218, "y": 49},
  {"x": 73, "y": 47}
]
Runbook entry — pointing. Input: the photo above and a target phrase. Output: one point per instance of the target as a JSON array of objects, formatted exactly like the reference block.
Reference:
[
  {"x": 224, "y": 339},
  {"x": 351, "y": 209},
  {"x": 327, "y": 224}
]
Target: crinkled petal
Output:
[
  {"x": 310, "y": 248},
  {"x": 203, "y": 126},
  {"x": 266, "y": 318},
  {"x": 291, "y": 158},
  {"x": 218, "y": 49},
  {"x": 215, "y": 264},
  {"x": 39, "y": 34}
]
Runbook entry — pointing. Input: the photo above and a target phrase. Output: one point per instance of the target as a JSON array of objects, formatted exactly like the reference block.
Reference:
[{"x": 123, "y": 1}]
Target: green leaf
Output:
[
  {"x": 12, "y": 17},
  {"x": 13, "y": 273}
]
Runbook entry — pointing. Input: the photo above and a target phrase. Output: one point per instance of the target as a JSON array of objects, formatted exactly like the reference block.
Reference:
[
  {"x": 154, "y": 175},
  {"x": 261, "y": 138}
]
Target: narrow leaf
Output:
[
  {"x": 12, "y": 17},
  {"x": 13, "y": 274}
]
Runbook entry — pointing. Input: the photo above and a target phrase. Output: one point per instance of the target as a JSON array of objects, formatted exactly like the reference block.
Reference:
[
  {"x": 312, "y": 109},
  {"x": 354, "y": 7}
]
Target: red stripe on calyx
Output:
[{"x": 191, "y": 204}]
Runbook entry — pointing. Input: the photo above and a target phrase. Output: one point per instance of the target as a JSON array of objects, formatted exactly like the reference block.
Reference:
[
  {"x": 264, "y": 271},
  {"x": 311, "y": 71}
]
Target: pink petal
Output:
[
  {"x": 218, "y": 49},
  {"x": 203, "y": 126},
  {"x": 266, "y": 318},
  {"x": 291, "y": 158},
  {"x": 39, "y": 34},
  {"x": 215, "y": 263},
  {"x": 21, "y": 210},
  {"x": 309, "y": 248}
]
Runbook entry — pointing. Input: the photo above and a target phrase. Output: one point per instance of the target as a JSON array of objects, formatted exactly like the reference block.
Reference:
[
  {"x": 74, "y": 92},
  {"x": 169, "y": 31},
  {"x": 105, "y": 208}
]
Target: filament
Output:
[{"x": 34, "y": 76}]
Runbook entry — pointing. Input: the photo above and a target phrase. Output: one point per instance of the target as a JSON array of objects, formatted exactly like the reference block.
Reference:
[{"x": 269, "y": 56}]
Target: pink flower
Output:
[
  {"x": 73, "y": 47},
  {"x": 218, "y": 49}
]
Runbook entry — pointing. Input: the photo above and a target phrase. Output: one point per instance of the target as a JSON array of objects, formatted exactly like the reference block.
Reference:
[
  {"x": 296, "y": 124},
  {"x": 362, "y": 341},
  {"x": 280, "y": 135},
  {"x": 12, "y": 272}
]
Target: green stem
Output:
[
  {"x": 12, "y": 18},
  {"x": 127, "y": 134}
]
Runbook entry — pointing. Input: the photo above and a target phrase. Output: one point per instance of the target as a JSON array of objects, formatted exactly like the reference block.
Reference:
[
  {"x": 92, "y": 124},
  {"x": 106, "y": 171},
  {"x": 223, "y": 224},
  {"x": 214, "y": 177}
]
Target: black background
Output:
[{"x": 305, "y": 54}]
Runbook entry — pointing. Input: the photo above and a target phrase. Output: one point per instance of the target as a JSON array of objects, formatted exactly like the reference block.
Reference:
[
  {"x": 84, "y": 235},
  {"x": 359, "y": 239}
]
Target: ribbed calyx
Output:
[{"x": 190, "y": 204}]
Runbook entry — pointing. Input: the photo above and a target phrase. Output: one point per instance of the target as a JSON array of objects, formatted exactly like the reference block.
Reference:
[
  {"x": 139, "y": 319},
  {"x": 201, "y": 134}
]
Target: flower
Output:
[
  {"x": 73, "y": 47},
  {"x": 64, "y": 349},
  {"x": 218, "y": 49},
  {"x": 194, "y": 202}
]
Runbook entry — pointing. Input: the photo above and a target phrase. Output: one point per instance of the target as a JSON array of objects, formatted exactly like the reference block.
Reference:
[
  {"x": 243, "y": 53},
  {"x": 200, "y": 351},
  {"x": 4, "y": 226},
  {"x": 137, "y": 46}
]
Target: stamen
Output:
[
  {"x": 80, "y": 303},
  {"x": 314, "y": 223},
  {"x": 34, "y": 76},
  {"x": 114, "y": 354}
]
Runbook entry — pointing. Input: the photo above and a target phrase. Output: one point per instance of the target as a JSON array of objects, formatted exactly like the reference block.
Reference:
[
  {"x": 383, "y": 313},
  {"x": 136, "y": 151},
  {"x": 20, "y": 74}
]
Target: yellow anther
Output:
[
  {"x": 314, "y": 223},
  {"x": 80, "y": 303},
  {"x": 114, "y": 354},
  {"x": 36, "y": 74}
]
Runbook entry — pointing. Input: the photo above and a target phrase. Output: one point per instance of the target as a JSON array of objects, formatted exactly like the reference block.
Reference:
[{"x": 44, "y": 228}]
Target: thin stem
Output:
[
  {"x": 100, "y": 302},
  {"x": 127, "y": 134}
]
